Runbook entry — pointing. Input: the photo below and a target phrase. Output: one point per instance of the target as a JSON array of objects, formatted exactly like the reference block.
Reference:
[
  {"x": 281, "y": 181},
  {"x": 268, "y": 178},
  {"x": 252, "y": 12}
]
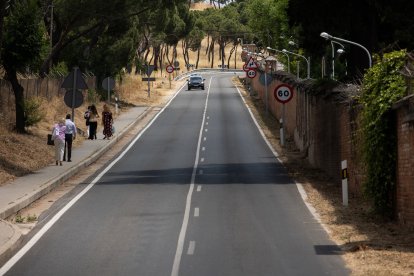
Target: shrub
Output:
[
  {"x": 32, "y": 111},
  {"x": 383, "y": 86}
]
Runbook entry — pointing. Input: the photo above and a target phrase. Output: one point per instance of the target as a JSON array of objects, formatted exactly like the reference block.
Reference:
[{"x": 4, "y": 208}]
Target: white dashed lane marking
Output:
[{"x": 191, "y": 248}]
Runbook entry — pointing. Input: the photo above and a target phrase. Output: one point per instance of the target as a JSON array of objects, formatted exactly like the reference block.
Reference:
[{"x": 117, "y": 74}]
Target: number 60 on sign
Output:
[{"x": 283, "y": 93}]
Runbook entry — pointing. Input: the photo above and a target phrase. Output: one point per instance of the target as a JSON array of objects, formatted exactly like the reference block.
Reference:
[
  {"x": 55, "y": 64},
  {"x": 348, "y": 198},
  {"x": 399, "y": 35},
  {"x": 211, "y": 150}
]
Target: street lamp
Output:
[
  {"x": 333, "y": 55},
  {"x": 265, "y": 80},
  {"x": 278, "y": 51},
  {"x": 333, "y": 38},
  {"x": 307, "y": 60}
]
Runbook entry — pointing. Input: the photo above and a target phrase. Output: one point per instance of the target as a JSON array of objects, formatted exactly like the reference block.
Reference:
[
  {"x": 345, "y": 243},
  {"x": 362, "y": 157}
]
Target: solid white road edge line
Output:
[
  {"x": 299, "y": 186},
  {"x": 184, "y": 226},
  {"x": 12, "y": 261}
]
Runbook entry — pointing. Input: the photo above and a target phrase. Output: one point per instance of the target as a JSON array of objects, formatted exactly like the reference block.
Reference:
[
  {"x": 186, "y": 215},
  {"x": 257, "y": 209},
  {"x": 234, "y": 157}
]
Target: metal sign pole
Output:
[
  {"x": 148, "y": 74},
  {"x": 75, "y": 72},
  {"x": 109, "y": 90},
  {"x": 282, "y": 126},
  {"x": 344, "y": 167},
  {"x": 267, "y": 100}
]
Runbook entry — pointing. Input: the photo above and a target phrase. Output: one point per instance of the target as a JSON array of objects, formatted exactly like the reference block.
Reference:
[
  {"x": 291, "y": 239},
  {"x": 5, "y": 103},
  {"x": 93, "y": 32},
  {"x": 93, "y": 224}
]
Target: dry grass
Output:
[{"x": 200, "y": 6}]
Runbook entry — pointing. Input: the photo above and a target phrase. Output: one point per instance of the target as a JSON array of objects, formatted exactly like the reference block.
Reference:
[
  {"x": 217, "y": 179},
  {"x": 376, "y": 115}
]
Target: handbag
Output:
[{"x": 50, "y": 140}]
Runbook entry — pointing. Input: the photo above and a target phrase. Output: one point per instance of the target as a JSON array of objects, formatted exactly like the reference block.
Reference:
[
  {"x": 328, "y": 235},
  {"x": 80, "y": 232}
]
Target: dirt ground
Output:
[{"x": 370, "y": 246}]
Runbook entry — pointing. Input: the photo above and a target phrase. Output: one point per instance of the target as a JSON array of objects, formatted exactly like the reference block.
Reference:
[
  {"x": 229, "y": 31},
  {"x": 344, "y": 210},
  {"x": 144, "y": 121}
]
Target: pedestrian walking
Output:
[
  {"x": 93, "y": 122},
  {"x": 70, "y": 135},
  {"x": 58, "y": 136},
  {"x": 107, "y": 122},
  {"x": 86, "y": 117}
]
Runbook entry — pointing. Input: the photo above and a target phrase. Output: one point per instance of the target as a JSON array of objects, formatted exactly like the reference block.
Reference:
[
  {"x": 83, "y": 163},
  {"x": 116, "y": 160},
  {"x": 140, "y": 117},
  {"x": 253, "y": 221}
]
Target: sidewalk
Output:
[{"x": 25, "y": 190}]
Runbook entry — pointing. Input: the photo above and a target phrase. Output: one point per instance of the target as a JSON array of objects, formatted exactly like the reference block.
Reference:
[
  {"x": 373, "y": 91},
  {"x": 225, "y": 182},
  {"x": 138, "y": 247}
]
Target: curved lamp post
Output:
[
  {"x": 307, "y": 60},
  {"x": 333, "y": 38},
  {"x": 265, "y": 79},
  {"x": 278, "y": 51},
  {"x": 333, "y": 55}
]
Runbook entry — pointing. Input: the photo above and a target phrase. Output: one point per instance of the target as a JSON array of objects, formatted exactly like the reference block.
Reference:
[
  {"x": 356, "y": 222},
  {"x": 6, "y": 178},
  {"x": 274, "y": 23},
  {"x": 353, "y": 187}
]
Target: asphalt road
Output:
[{"x": 198, "y": 193}]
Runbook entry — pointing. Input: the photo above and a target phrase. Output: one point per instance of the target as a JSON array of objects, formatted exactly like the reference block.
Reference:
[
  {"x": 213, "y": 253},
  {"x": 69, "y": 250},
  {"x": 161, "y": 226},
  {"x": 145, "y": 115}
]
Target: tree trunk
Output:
[
  {"x": 167, "y": 54},
  {"x": 157, "y": 58},
  {"x": 198, "y": 57},
  {"x": 18, "y": 90},
  {"x": 2, "y": 14},
  {"x": 212, "y": 53},
  {"x": 230, "y": 55}
]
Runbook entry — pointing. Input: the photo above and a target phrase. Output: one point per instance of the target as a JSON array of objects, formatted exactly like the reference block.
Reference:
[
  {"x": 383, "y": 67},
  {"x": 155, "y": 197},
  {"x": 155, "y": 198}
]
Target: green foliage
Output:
[
  {"x": 33, "y": 112},
  {"x": 19, "y": 219},
  {"x": 267, "y": 19},
  {"x": 383, "y": 86},
  {"x": 59, "y": 70},
  {"x": 23, "y": 38},
  {"x": 31, "y": 218}
]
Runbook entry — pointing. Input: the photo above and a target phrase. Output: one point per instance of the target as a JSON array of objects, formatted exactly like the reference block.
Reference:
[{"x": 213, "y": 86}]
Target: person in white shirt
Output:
[{"x": 70, "y": 135}]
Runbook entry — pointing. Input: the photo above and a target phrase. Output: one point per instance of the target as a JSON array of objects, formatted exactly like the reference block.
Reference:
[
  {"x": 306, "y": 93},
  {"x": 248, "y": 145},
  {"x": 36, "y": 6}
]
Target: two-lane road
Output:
[{"x": 199, "y": 192}]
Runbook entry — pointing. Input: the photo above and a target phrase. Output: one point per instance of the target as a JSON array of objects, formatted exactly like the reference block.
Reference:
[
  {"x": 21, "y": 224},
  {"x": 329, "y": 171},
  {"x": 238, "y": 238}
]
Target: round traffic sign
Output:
[
  {"x": 108, "y": 83},
  {"x": 169, "y": 69},
  {"x": 245, "y": 69},
  {"x": 251, "y": 73},
  {"x": 283, "y": 93},
  {"x": 73, "y": 101}
]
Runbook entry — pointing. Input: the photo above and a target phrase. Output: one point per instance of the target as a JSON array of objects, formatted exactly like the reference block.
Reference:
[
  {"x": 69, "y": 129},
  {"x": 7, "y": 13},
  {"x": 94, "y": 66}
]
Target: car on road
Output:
[{"x": 195, "y": 81}]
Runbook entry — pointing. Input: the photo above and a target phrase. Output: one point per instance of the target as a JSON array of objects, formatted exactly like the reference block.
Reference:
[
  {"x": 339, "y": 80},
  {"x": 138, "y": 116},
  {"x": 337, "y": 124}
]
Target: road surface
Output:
[{"x": 199, "y": 192}]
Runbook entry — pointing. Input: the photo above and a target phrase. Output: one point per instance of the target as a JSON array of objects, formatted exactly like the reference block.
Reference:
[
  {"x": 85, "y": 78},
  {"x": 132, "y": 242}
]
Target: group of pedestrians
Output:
[{"x": 64, "y": 131}]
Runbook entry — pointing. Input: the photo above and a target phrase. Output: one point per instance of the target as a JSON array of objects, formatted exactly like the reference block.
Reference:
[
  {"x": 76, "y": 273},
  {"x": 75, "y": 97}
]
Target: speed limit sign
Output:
[
  {"x": 251, "y": 73},
  {"x": 283, "y": 93},
  {"x": 170, "y": 69}
]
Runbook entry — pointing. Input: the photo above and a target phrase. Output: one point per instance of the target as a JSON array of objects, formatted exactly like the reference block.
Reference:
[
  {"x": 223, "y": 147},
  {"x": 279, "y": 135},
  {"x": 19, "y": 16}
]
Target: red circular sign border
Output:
[
  {"x": 275, "y": 91},
  {"x": 255, "y": 73},
  {"x": 169, "y": 66}
]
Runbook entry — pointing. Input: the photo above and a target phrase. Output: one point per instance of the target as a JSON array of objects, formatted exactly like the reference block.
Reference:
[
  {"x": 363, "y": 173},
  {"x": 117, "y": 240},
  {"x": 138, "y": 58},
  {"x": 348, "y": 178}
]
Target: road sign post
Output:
[
  {"x": 149, "y": 69},
  {"x": 344, "y": 167},
  {"x": 169, "y": 69},
  {"x": 108, "y": 83},
  {"x": 74, "y": 81},
  {"x": 283, "y": 94}
]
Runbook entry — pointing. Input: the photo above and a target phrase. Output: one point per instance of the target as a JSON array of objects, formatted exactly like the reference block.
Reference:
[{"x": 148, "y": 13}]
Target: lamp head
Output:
[
  {"x": 291, "y": 43},
  {"x": 340, "y": 51},
  {"x": 284, "y": 50},
  {"x": 326, "y": 35}
]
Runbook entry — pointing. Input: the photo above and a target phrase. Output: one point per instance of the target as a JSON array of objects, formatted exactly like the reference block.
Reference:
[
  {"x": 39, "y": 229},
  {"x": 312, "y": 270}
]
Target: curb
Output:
[{"x": 15, "y": 237}]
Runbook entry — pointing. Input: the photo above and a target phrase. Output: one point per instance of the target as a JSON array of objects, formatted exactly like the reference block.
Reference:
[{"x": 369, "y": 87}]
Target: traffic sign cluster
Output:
[{"x": 250, "y": 68}]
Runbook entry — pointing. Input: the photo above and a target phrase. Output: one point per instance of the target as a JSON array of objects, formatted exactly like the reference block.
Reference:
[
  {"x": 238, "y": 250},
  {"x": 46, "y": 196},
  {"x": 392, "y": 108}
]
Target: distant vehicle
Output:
[{"x": 196, "y": 81}]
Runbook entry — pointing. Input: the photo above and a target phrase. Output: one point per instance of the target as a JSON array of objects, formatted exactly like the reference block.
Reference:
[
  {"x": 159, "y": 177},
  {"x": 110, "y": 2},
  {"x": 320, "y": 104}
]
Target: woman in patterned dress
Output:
[{"x": 107, "y": 121}]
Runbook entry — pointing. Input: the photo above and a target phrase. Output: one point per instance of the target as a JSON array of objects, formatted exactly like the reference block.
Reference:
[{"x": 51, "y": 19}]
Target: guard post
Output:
[{"x": 344, "y": 172}]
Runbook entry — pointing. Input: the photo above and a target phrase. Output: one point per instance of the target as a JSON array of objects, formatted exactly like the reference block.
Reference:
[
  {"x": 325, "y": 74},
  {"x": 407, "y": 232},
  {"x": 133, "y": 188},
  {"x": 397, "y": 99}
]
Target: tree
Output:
[
  {"x": 268, "y": 20},
  {"x": 377, "y": 25},
  {"x": 22, "y": 45}
]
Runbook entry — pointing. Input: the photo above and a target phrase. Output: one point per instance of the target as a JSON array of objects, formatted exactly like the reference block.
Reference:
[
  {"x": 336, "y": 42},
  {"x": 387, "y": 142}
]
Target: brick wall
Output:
[
  {"x": 405, "y": 170},
  {"x": 325, "y": 127}
]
